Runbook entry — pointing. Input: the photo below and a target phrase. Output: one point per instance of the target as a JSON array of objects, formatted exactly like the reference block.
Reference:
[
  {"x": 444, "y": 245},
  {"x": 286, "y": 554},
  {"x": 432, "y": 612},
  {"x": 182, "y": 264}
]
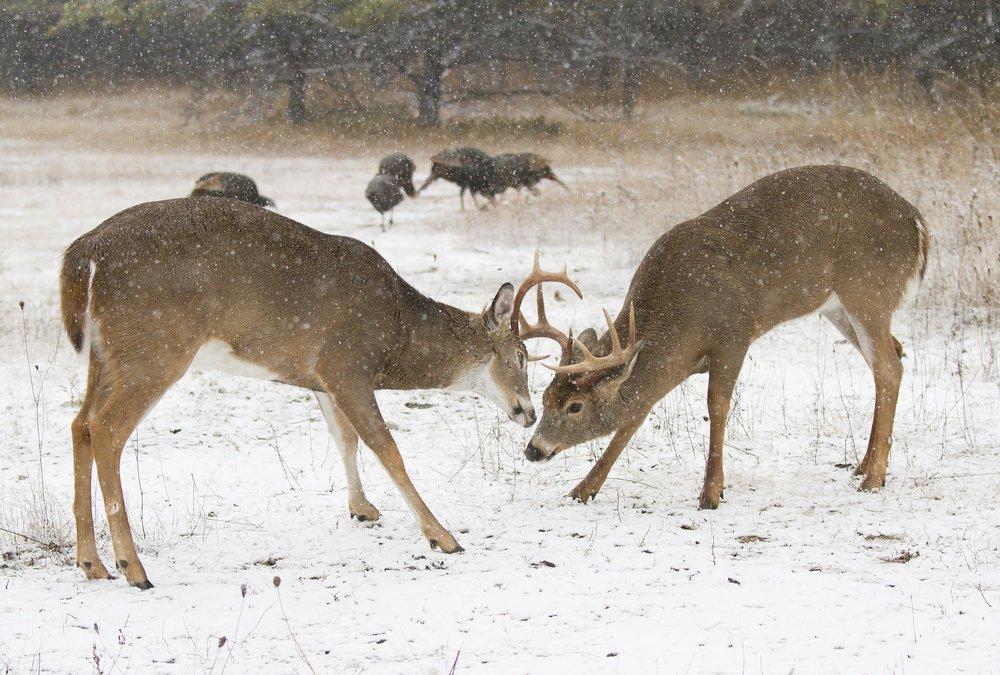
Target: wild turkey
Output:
[
  {"x": 469, "y": 168},
  {"x": 522, "y": 170},
  {"x": 230, "y": 185},
  {"x": 402, "y": 167},
  {"x": 384, "y": 193}
]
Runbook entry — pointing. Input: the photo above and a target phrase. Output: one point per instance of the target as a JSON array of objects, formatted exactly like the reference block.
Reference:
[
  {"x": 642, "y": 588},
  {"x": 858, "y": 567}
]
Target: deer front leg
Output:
[
  {"x": 723, "y": 371},
  {"x": 356, "y": 399},
  {"x": 347, "y": 442},
  {"x": 588, "y": 488}
]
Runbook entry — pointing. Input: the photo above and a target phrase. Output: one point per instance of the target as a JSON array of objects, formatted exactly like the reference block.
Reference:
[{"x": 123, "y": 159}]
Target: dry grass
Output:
[{"x": 631, "y": 180}]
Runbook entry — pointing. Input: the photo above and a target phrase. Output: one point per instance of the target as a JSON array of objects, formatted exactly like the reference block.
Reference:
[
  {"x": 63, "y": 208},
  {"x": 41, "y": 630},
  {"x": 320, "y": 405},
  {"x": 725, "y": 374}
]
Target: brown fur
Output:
[
  {"x": 318, "y": 311},
  {"x": 709, "y": 287}
]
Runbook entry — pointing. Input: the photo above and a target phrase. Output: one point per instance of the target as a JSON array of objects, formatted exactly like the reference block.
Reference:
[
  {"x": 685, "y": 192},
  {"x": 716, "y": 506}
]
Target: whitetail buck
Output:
[
  {"x": 219, "y": 283},
  {"x": 827, "y": 239}
]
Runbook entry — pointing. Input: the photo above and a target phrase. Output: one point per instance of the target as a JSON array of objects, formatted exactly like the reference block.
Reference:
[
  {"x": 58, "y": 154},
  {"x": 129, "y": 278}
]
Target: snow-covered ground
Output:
[{"x": 232, "y": 483}]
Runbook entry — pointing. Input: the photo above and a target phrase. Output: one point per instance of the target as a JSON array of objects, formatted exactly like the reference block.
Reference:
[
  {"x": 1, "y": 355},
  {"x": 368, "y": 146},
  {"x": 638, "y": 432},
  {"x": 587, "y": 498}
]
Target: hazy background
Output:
[{"x": 384, "y": 64}]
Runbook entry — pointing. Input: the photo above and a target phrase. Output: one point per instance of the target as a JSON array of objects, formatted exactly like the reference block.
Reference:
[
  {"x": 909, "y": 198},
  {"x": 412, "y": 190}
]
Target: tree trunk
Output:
[
  {"x": 604, "y": 74},
  {"x": 297, "y": 97},
  {"x": 429, "y": 94},
  {"x": 629, "y": 85}
]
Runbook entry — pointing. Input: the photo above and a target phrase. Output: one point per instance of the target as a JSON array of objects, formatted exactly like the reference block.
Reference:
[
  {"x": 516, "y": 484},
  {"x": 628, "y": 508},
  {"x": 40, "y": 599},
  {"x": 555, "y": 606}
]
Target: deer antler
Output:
[
  {"x": 617, "y": 357},
  {"x": 541, "y": 328}
]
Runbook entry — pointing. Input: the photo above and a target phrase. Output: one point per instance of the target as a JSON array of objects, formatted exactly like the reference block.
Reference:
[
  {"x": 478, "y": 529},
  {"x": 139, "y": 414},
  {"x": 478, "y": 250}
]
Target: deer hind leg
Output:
[
  {"x": 356, "y": 400},
  {"x": 875, "y": 342},
  {"x": 347, "y": 442},
  {"x": 880, "y": 349},
  {"x": 87, "y": 557},
  {"x": 724, "y": 369},
  {"x": 114, "y": 416}
]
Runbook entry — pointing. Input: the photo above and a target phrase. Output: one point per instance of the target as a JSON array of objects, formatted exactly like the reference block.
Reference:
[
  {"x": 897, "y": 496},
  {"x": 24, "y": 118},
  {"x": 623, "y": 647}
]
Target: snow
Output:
[{"x": 232, "y": 482}]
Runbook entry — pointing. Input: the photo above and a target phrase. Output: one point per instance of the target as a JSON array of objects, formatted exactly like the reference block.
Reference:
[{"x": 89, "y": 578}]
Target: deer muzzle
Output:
[
  {"x": 523, "y": 414},
  {"x": 540, "y": 451}
]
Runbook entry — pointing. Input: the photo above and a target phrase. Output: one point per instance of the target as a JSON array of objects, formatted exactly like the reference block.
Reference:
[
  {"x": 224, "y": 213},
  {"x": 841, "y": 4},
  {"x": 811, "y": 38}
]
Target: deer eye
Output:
[{"x": 575, "y": 407}]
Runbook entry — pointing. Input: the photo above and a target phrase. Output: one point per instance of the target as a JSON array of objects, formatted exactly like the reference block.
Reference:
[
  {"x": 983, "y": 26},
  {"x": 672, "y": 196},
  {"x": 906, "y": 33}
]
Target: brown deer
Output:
[
  {"x": 218, "y": 283},
  {"x": 826, "y": 239}
]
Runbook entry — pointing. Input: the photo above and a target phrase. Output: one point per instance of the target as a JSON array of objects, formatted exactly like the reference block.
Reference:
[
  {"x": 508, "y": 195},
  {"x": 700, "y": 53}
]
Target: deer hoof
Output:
[
  {"x": 94, "y": 570},
  {"x": 143, "y": 585},
  {"x": 366, "y": 513},
  {"x": 871, "y": 484},
  {"x": 708, "y": 501},
  {"x": 446, "y": 543},
  {"x": 582, "y": 493}
]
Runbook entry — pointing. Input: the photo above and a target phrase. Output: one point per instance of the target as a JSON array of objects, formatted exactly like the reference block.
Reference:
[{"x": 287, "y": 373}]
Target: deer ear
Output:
[
  {"x": 498, "y": 313},
  {"x": 607, "y": 388},
  {"x": 589, "y": 339}
]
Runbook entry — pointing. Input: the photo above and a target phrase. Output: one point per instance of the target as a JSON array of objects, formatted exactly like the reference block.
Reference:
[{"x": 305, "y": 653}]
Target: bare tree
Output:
[{"x": 426, "y": 40}]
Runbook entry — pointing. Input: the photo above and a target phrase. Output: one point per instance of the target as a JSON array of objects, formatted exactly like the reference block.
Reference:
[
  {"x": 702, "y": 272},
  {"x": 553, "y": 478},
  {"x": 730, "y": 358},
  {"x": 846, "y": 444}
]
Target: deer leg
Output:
[
  {"x": 87, "y": 557},
  {"x": 110, "y": 427},
  {"x": 840, "y": 319},
  {"x": 860, "y": 337},
  {"x": 887, "y": 369},
  {"x": 588, "y": 488},
  {"x": 347, "y": 442},
  {"x": 115, "y": 413},
  {"x": 723, "y": 371},
  {"x": 357, "y": 402},
  {"x": 461, "y": 196}
]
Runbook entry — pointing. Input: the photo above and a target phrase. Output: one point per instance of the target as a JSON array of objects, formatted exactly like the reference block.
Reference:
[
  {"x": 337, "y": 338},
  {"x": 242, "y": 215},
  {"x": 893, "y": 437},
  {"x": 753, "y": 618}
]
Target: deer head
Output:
[
  {"x": 584, "y": 400},
  {"x": 503, "y": 377}
]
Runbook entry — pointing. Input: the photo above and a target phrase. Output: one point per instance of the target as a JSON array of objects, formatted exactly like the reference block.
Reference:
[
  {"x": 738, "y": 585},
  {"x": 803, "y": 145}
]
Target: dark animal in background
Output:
[
  {"x": 469, "y": 168},
  {"x": 230, "y": 185},
  {"x": 522, "y": 170},
  {"x": 385, "y": 193},
  {"x": 402, "y": 167}
]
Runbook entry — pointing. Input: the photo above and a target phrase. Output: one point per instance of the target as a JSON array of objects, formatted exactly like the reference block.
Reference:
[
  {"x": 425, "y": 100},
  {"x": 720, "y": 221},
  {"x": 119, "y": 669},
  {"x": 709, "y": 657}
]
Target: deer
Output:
[
  {"x": 831, "y": 240},
  {"x": 211, "y": 283}
]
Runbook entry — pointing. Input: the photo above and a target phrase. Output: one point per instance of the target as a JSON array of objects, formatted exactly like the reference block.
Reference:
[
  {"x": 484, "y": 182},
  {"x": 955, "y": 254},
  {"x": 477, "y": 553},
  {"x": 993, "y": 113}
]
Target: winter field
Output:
[{"x": 233, "y": 482}]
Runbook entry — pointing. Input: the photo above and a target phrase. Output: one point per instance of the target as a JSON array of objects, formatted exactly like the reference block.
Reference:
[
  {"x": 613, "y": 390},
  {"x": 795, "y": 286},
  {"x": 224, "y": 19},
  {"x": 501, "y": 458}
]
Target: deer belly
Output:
[{"x": 218, "y": 355}]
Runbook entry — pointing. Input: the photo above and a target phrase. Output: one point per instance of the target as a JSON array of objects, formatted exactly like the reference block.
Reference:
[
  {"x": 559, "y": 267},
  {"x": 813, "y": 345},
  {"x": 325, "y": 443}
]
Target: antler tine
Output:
[
  {"x": 616, "y": 345},
  {"x": 631, "y": 324},
  {"x": 618, "y": 356},
  {"x": 542, "y": 328}
]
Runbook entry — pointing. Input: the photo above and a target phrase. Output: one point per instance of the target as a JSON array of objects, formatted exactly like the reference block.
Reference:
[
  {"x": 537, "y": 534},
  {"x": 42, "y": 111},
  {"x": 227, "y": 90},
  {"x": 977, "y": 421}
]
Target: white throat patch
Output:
[{"x": 472, "y": 379}]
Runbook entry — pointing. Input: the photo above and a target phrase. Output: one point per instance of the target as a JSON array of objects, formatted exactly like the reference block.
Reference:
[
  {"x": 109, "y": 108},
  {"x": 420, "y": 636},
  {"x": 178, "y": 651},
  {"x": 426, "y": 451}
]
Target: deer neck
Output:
[
  {"x": 663, "y": 363},
  {"x": 442, "y": 347}
]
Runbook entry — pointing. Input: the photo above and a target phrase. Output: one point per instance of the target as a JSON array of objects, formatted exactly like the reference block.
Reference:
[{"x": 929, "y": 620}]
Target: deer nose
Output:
[
  {"x": 534, "y": 453},
  {"x": 525, "y": 418}
]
